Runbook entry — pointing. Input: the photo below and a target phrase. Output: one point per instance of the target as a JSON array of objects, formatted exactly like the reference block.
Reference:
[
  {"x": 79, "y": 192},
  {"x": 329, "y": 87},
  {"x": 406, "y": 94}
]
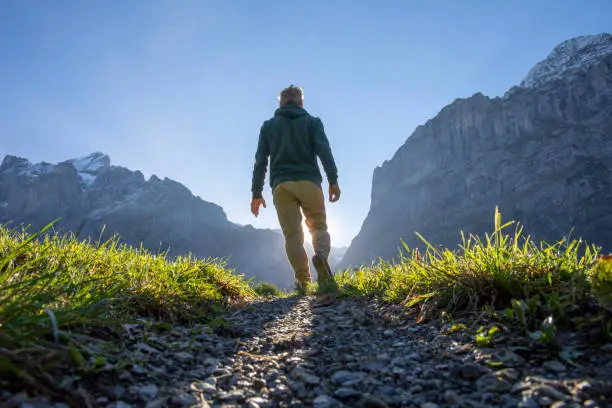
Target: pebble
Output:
[
  {"x": 509, "y": 401},
  {"x": 345, "y": 393},
  {"x": 554, "y": 366},
  {"x": 509, "y": 374},
  {"x": 145, "y": 348},
  {"x": 520, "y": 386},
  {"x": 232, "y": 396},
  {"x": 343, "y": 377},
  {"x": 119, "y": 404},
  {"x": 303, "y": 375},
  {"x": 528, "y": 402},
  {"x": 206, "y": 387},
  {"x": 158, "y": 403},
  {"x": 183, "y": 356},
  {"x": 116, "y": 392},
  {"x": 255, "y": 402},
  {"x": 183, "y": 400},
  {"x": 323, "y": 401},
  {"x": 549, "y": 392},
  {"x": 545, "y": 401},
  {"x": 148, "y": 392},
  {"x": 372, "y": 401},
  {"x": 491, "y": 383},
  {"x": 414, "y": 356},
  {"x": 452, "y": 398},
  {"x": 285, "y": 352},
  {"x": 472, "y": 371}
]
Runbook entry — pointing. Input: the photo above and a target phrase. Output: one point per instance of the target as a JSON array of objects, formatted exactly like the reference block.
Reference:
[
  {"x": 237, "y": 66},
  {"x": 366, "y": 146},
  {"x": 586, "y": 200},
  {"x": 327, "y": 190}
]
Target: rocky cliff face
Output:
[
  {"x": 89, "y": 193},
  {"x": 542, "y": 153}
]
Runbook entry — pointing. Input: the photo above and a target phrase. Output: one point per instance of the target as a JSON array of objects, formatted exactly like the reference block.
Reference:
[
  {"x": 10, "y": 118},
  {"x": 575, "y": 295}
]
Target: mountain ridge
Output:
[
  {"x": 479, "y": 152},
  {"x": 162, "y": 214},
  {"x": 90, "y": 193},
  {"x": 573, "y": 54}
]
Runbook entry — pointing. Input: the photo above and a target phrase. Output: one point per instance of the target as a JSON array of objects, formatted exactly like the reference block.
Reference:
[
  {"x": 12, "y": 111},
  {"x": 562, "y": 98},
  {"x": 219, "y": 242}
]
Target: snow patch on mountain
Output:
[
  {"x": 87, "y": 178},
  {"x": 36, "y": 170},
  {"x": 90, "y": 163},
  {"x": 574, "y": 54},
  {"x": 87, "y": 167}
]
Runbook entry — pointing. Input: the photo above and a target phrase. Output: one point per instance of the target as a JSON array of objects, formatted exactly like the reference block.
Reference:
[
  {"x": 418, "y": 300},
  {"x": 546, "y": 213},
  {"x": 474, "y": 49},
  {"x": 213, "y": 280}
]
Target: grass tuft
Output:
[
  {"x": 266, "y": 289},
  {"x": 55, "y": 288},
  {"x": 503, "y": 270}
]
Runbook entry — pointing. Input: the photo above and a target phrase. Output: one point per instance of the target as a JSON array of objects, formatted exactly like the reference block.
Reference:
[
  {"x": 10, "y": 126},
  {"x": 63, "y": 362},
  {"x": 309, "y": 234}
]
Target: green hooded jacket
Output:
[{"x": 292, "y": 139}]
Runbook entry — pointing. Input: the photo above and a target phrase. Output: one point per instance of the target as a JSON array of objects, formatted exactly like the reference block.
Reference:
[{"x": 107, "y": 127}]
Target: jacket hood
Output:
[{"x": 290, "y": 111}]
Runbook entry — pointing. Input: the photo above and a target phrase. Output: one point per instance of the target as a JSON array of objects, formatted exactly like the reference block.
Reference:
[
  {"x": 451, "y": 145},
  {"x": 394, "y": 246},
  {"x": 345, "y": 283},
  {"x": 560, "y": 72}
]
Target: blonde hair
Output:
[{"x": 292, "y": 95}]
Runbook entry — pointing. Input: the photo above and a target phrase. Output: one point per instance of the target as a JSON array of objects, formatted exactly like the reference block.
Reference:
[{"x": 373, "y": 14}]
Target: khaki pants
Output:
[{"x": 289, "y": 198}]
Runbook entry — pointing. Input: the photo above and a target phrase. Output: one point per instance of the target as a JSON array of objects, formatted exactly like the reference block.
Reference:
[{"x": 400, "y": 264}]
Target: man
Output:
[{"x": 293, "y": 139}]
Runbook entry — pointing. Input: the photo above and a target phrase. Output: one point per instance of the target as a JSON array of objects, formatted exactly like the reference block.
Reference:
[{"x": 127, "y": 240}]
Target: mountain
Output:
[
  {"x": 542, "y": 153},
  {"x": 89, "y": 193}
]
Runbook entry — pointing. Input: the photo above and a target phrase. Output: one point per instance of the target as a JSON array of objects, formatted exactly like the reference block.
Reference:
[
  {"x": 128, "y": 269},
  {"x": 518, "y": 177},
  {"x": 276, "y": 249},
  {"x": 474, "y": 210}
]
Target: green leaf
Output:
[
  {"x": 482, "y": 341},
  {"x": 77, "y": 357}
]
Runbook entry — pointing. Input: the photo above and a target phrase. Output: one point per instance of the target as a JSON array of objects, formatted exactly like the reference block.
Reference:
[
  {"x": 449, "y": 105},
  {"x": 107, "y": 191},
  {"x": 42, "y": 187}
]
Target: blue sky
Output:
[{"x": 180, "y": 88}]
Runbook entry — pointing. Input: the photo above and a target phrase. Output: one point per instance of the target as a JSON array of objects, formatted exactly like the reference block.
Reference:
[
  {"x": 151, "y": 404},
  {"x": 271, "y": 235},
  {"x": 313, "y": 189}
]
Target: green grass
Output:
[
  {"x": 265, "y": 289},
  {"x": 56, "y": 288},
  {"x": 59, "y": 293},
  {"x": 504, "y": 271}
]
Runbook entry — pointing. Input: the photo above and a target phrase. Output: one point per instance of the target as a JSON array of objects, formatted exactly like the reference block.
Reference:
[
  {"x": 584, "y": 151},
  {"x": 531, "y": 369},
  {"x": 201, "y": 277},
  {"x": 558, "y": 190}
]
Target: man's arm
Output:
[
  {"x": 323, "y": 150},
  {"x": 261, "y": 165}
]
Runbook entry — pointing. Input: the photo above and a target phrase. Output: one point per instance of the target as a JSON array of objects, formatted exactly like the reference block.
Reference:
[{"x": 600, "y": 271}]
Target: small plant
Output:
[
  {"x": 219, "y": 323},
  {"x": 484, "y": 336},
  {"x": 547, "y": 334},
  {"x": 522, "y": 312},
  {"x": 266, "y": 289},
  {"x": 455, "y": 327}
]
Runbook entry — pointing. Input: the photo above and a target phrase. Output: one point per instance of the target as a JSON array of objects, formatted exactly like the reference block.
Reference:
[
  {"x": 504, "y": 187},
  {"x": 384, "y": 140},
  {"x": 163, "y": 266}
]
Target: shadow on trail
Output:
[
  {"x": 349, "y": 353},
  {"x": 252, "y": 319},
  {"x": 363, "y": 353},
  {"x": 226, "y": 362}
]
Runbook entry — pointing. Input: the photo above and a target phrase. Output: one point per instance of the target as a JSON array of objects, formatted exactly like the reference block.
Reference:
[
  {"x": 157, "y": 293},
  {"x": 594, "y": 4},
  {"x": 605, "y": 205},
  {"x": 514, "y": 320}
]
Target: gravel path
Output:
[{"x": 354, "y": 353}]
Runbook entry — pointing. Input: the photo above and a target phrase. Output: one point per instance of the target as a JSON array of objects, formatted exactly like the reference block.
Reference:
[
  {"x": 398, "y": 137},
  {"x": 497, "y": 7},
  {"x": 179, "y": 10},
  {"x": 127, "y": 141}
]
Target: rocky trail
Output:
[{"x": 353, "y": 353}]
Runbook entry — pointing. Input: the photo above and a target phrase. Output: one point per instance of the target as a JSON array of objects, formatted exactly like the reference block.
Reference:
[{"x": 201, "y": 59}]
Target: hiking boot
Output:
[
  {"x": 324, "y": 272},
  {"x": 324, "y": 300},
  {"x": 302, "y": 289},
  {"x": 325, "y": 278}
]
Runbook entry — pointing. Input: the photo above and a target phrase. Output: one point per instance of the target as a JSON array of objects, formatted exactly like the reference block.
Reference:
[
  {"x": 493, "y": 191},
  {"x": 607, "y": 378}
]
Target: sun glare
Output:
[{"x": 308, "y": 238}]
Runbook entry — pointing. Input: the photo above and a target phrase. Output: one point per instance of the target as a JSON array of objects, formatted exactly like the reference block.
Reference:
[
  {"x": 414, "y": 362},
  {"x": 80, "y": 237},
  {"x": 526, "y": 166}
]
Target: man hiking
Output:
[{"x": 293, "y": 139}]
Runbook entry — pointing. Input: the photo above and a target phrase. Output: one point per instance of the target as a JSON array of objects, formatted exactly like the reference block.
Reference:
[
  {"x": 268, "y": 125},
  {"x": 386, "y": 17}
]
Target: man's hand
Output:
[
  {"x": 334, "y": 193},
  {"x": 255, "y": 204}
]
